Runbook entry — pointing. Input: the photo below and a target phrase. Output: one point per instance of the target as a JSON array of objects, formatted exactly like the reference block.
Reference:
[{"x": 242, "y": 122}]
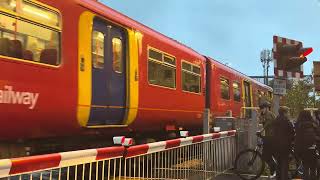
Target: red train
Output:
[{"x": 78, "y": 69}]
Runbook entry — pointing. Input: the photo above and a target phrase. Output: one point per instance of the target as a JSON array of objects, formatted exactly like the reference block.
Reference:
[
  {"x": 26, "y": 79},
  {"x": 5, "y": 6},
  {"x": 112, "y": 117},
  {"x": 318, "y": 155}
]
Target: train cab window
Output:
[
  {"x": 28, "y": 32},
  {"x": 191, "y": 78},
  {"x": 117, "y": 55},
  {"x": 225, "y": 88},
  {"x": 236, "y": 91},
  {"x": 98, "y": 50},
  {"x": 161, "y": 69}
]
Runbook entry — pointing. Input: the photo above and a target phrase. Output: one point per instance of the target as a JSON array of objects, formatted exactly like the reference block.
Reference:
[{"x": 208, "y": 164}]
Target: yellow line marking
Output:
[{"x": 147, "y": 109}]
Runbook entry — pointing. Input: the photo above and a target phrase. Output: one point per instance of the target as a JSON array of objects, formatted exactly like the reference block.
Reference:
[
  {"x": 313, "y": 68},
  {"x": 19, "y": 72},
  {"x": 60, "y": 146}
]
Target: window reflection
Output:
[
  {"x": 117, "y": 54},
  {"x": 191, "y": 78},
  {"x": 23, "y": 40},
  {"x": 225, "y": 88},
  {"x": 161, "y": 69},
  {"x": 98, "y": 50}
]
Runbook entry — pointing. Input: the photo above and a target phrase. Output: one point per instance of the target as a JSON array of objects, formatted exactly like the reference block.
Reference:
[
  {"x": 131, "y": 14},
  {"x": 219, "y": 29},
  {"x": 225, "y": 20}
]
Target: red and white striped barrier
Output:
[
  {"x": 169, "y": 144},
  {"x": 30, "y": 164},
  {"x": 36, "y": 163}
]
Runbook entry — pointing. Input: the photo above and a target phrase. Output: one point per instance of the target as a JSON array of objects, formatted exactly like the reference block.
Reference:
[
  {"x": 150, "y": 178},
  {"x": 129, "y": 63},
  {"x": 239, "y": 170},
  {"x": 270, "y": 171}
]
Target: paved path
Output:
[{"x": 232, "y": 177}]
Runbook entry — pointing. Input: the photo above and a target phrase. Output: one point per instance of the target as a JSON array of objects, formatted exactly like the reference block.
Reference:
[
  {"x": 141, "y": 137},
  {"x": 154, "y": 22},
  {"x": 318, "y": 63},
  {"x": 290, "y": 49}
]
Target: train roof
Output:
[
  {"x": 116, "y": 16},
  {"x": 234, "y": 71}
]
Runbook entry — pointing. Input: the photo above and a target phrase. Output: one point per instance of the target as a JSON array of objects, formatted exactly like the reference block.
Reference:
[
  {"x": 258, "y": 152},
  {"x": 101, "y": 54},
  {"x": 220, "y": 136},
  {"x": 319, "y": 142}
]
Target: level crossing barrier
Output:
[{"x": 197, "y": 157}]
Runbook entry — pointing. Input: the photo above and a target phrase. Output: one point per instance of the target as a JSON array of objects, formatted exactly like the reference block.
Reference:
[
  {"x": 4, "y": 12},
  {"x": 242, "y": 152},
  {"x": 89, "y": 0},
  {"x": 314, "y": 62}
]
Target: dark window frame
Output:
[
  {"x": 191, "y": 72},
  {"x": 162, "y": 63}
]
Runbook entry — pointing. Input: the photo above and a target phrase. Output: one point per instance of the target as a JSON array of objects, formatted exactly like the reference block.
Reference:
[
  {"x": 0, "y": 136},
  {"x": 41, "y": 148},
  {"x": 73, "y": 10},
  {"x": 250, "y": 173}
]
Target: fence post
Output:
[{"x": 206, "y": 121}]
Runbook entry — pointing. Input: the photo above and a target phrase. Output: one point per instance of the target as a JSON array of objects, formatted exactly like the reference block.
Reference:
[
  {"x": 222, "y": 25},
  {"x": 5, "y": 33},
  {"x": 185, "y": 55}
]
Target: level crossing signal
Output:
[{"x": 289, "y": 56}]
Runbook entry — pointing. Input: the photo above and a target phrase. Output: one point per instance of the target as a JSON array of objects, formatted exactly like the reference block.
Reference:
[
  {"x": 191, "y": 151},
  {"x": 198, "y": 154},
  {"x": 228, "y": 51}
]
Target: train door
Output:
[
  {"x": 108, "y": 74},
  {"x": 247, "y": 98}
]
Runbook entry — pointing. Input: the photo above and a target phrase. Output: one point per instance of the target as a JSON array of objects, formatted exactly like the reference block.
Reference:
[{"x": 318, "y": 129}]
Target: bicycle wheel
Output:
[
  {"x": 249, "y": 164},
  {"x": 295, "y": 167}
]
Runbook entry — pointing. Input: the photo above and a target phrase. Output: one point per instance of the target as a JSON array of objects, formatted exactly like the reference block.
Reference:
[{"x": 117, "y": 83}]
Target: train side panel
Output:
[
  {"x": 165, "y": 108},
  {"x": 223, "y": 103}
]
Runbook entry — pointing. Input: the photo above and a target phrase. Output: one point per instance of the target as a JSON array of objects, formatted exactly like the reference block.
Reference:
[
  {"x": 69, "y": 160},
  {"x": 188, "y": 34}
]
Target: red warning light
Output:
[{"x": 307, "y": 52}]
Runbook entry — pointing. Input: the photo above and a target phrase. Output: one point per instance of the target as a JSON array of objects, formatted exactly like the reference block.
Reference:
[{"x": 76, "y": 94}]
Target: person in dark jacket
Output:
[
  {"x": 266, "y": 119},
  {"x": 307, "y": 136},
  {"x": 282, "y": 138}
]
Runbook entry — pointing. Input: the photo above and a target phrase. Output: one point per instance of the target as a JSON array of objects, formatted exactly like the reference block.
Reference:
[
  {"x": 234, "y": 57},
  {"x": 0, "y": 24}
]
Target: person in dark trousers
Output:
[
  {"x": 266, "y": 119},
  {"x": 317, "y": 117},
  {"x": 282, "y": 138},
  {"x": 307, "y": 136}
]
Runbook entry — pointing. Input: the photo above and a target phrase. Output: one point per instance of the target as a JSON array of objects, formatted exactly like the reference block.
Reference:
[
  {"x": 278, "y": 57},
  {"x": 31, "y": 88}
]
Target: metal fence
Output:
[
  {"x": 246, "y": 130},
  {"x": 198, "y": 157}
]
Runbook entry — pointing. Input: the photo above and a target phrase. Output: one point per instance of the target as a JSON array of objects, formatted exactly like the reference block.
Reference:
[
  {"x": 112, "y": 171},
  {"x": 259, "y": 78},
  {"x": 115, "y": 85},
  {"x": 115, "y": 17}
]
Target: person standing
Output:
[
  {"x": 266, "y": 119},
  {"x": 317, "y": 117},
  {"x": 282, "y": 138},
  {"x": 307, "y": 136}
]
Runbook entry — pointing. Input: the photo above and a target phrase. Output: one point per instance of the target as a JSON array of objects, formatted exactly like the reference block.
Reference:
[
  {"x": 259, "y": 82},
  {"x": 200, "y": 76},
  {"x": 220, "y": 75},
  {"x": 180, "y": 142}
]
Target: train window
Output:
[
  {"x": 39, "y": 13},
  {"x": 31, "y": 33},
  {"x": 191, "y": 78},
  {"x": 236, "y": 91},
  {"x": 187, "y": 67},
  {"x": 196, "y": 69},
  {"x": 32, "y": 10},
  {"x": 225, "y": 88},
  {"x": 155, "y": 55},
  {"x": 24, "y": 40},
  {"x": 117, "y": 54},
  {"x": 8, "y": 4},
  {"x": 169, "y": 60},
  {"x": 98, "y": 50},
  {"x": 161, "y": 69},
  {"x": 259, "y": 97}
]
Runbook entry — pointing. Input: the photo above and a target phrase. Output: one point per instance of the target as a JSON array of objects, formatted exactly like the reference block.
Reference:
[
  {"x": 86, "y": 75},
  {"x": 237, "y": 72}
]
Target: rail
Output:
[{"x": 197, "y": 157}]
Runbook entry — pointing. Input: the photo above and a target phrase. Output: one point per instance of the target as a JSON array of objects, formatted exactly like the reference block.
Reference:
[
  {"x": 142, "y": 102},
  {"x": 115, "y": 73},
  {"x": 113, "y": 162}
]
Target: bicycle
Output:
[
  {"x": 249, "y": 164},
  {"x": 316, "y": 152}
]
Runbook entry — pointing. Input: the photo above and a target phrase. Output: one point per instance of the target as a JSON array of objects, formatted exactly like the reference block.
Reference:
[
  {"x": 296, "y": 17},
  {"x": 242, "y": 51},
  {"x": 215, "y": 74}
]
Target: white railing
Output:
[{"x": 198, "y": 157}]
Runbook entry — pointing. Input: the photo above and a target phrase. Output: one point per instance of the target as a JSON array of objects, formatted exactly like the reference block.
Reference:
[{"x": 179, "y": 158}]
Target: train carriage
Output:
[
  {"x": 77, "y": 69},
  {"x": 229, "y": 91}
]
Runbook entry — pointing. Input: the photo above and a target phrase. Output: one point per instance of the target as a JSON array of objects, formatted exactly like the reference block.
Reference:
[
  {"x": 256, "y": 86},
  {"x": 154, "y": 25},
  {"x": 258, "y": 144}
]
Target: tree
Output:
[{"x": 299, "y": 96}]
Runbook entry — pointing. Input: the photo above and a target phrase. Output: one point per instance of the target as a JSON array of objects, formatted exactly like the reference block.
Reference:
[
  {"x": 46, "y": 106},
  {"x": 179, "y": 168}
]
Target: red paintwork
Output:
[
  {"x": 137, "y": 150},
  {"x": 56, "y": 106},
  {"x": 173, "y": 143},
  {"x": 55, "y": 112},
  {"x": 164, "y": 99},
  {"x": 196, "y": 139},
  {"x": 110, "y": 152},
  {"x": 34, "y": 163}
]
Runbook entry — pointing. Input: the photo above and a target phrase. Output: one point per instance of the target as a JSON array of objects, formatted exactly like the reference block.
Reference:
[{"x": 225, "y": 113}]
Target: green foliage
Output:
[{"x": 300, "y": 96}]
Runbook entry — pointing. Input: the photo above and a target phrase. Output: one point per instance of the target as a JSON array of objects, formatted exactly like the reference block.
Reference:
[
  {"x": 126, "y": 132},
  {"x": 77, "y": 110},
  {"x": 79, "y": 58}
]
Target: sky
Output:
[{"x": 233, "y": 32}]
